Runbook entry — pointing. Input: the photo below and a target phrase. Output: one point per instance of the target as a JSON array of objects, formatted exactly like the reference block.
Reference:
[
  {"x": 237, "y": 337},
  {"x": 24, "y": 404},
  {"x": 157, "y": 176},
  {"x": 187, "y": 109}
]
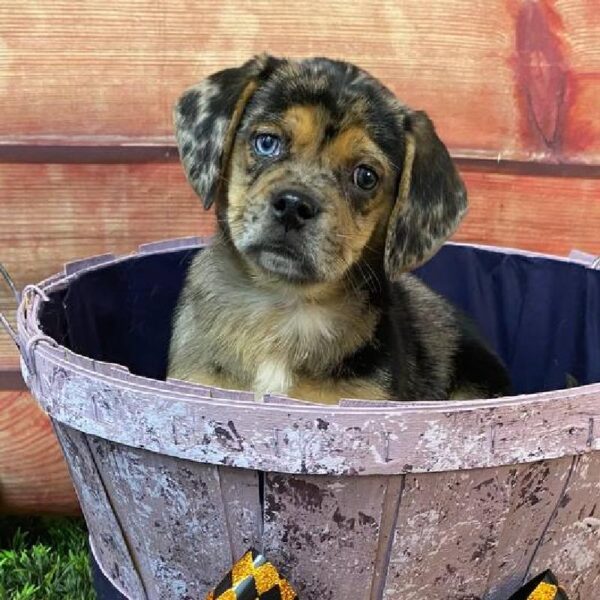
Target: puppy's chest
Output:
[
  {"x": 284, "y": 331},
  {"x": 271, "y": 345}
]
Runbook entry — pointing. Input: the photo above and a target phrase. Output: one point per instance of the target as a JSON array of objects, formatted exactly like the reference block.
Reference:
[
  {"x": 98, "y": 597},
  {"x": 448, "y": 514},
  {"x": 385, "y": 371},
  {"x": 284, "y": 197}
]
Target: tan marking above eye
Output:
[
  {"x": 352, "y": 147},
  {"x": 305, "y": 124},
  {"x": 268, "y": 128}
]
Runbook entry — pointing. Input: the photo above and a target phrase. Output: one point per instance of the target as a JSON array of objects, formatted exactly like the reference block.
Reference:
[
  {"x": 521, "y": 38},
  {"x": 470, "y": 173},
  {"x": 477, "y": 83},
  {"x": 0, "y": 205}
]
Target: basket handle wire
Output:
[
  {"x": 13, "y": 288},
  {"x": 25, "y": 349}
]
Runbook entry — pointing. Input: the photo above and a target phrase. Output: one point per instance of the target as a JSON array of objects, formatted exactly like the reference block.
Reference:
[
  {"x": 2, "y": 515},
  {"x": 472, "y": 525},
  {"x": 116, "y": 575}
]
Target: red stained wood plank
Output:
[
  {"x": 53, "y": 214},
  {"x": 112, "y": 70},
  {"x": 544, "y": 214},
  {"x": 33, "y": 475},
  {"x": 558, "y": 77},
  {"x": 58, "y": 213}
]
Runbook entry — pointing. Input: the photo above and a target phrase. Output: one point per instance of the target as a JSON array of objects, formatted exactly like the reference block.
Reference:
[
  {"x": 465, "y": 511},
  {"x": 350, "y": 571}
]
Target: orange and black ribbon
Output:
[
  {"x": 543, "y": 587},
  {"x": 253, "y": 578}
]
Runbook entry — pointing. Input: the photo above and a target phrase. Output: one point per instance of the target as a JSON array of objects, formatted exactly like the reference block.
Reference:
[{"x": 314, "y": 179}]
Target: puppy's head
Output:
[{"x": 313, "y": 162}]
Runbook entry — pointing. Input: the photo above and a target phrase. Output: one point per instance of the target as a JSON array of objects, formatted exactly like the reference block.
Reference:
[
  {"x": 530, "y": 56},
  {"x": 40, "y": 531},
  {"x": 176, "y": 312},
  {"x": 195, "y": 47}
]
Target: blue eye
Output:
[{"x": 266, "y": 144}]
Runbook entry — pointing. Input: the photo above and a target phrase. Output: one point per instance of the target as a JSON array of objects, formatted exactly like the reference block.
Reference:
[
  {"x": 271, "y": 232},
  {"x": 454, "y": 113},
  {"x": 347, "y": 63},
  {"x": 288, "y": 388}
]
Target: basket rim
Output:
[{"x": 445, "y": 435}]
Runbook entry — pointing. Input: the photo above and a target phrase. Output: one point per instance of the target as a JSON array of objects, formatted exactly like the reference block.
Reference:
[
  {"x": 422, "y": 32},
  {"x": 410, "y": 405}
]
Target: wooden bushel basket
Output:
[{"x": 359, "y": 501}]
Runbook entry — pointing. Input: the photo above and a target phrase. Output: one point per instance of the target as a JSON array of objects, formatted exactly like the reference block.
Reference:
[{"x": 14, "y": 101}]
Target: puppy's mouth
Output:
[{"x": 283, "y": 261}]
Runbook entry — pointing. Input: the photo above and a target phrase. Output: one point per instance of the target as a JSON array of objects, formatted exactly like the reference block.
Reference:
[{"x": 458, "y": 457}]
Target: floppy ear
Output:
[
  {"x": 430, "y": 203},
  {"x": 206, "y": 119}
]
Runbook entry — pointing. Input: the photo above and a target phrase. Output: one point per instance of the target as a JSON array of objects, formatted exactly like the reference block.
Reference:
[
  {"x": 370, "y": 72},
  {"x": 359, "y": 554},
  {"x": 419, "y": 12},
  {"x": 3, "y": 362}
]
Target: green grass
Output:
[{"x": 44, "y": 559}]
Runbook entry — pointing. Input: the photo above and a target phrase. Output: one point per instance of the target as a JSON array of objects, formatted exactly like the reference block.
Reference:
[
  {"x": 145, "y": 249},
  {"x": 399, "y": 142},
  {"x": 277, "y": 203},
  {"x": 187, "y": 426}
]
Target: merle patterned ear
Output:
[
  {"x": 431, "y": 199},
  {"x": 206, "y": 119}
]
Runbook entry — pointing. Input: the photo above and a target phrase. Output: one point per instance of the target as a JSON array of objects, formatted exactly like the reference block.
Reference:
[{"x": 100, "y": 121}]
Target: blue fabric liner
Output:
[
  {"x": 103, "y": 587},
  {"x": 541, "y": 315}
]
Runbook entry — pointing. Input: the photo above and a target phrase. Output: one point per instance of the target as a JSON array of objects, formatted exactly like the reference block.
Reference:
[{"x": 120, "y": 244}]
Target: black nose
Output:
[{"x": 293, "y": 209}]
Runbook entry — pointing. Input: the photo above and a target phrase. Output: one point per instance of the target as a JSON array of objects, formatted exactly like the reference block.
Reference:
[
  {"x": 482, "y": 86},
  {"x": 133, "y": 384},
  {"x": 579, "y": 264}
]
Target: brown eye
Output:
[{"x": 365, "y": 178}]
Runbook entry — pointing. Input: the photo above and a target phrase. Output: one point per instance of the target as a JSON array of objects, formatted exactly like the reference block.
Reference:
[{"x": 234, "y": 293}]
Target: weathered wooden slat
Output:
[
  {"x": 570, "y": 545},
  {"x": 389, "y": 516},
  {"x": 447, "y": 532},
  {"x": 324, "y": 532},
  {"x": 240, "y": 494},
  {"x": 534, "y": 497},
  {"x": 65, "y": 71},
  {"x": 33, "y": 475},
  {"x": 108, "y": 539},
  {"x": 174, "y": 517}
]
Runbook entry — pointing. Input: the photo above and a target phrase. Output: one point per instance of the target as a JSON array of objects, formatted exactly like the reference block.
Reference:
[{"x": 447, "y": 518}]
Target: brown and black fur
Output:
[{"x": 316, "y": 301}]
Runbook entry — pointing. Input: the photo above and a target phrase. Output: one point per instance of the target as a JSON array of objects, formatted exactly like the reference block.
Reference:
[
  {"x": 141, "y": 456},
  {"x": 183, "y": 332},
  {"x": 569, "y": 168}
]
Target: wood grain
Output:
[
  {"x": 537, "y": 490},
  {"x": 173, "y": 515},
  {"x": 571, "y": 542},
  {"x": 544, "y": 214},
  {"x": 325, "y": 530},
  {"x": 33, "y": 475},
  {"x": 60, "y": 212},
  {"x": 447, "y": 532},
  {"x": 111, "y": 71},
  {"x": 109, "y": 540}
]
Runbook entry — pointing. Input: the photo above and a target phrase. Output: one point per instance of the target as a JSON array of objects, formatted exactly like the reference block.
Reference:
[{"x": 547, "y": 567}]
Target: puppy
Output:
[{"x": 327, "y": 191}]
